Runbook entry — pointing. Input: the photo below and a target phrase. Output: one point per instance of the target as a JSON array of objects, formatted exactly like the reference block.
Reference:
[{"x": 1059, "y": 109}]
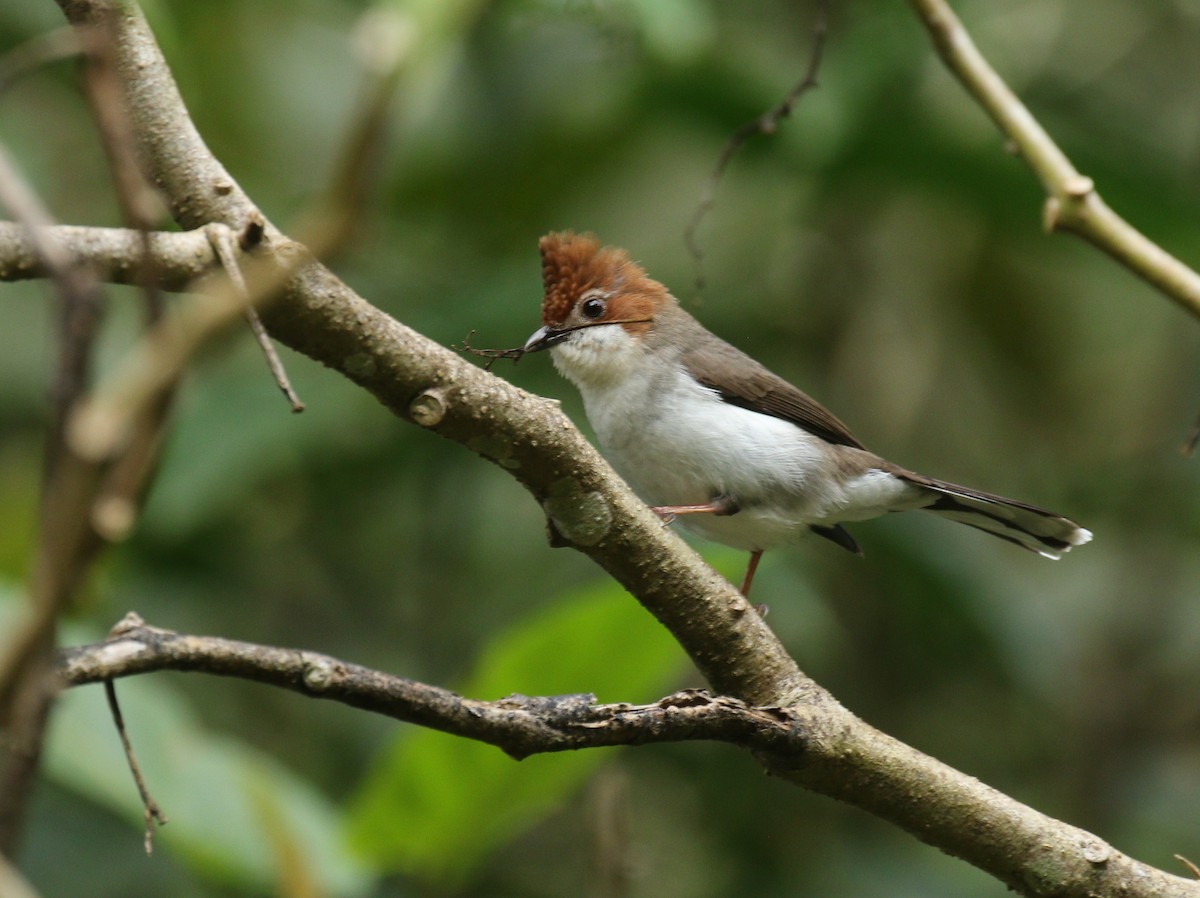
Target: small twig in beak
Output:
[{"x": 492, "y": 355}]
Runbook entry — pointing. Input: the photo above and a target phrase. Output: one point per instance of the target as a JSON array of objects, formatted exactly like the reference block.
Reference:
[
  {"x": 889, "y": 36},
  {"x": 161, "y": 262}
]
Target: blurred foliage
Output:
[
  {"x": 436, "y": 806},
  {"x": 881, "y": 250},
  {"x": 238, "y": 817}
]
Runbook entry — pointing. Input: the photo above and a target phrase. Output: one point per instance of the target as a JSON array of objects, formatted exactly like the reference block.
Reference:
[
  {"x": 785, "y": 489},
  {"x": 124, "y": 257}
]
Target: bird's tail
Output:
[{"x": 1028, "y": 526}]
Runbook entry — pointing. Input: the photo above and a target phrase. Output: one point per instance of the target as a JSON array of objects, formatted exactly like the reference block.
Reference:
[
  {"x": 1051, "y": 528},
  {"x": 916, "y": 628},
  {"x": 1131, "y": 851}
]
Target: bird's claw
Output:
[{"x": 667, "y": 517}]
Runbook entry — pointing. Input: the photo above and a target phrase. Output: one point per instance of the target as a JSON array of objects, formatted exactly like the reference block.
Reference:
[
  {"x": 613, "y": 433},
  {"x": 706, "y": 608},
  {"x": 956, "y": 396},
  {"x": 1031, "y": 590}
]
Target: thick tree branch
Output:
[
  {"x": 1072, "y": 203},
  {"x": 814, "y": 742}
]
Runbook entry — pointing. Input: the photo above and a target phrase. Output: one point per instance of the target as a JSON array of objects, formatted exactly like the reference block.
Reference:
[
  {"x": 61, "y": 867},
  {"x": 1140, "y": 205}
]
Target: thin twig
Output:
[
  {"x": 112, "y": 255},
  {"x": 492, "y": 355},
  {"x": 223, "y": 242},
  {"x": 37, "y": 228},
  {"x": 1183, "y": 860},
  {"x": 118, "y": 495},
  {"x": 517, "y": 352},
  {"x": 39, "y": 50},
  {"x": 139, "y": 202},
  {"x": 154, "y": 813},
  {"x": 767, "y": 124},
  {"x": 103, "y": 425}
]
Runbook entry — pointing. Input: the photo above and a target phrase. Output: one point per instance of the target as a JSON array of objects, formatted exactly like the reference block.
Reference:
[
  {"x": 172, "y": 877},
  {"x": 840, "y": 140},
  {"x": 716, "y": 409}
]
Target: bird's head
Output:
[{"x": 599, "y": 305}]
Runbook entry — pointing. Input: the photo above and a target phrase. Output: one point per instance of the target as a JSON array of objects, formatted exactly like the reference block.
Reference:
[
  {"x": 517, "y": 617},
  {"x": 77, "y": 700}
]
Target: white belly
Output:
[{"x": 693, "y": 446}]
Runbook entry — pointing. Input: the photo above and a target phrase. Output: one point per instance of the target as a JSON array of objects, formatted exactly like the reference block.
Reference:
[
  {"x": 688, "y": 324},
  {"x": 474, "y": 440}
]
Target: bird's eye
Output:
[{"x": 592, "y": 308}]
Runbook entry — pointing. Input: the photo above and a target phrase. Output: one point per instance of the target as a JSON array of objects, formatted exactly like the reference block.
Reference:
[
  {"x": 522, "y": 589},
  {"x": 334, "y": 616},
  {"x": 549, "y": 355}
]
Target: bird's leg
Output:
[
  {"x": 749, "y": 578},
  {"x": 720, "y": 505}
]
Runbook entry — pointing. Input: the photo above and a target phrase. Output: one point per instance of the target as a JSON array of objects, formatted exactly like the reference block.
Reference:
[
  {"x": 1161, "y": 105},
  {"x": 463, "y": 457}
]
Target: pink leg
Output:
[
  {"x": 721, "y": 505},
  {"x": 750, "y": 569}
]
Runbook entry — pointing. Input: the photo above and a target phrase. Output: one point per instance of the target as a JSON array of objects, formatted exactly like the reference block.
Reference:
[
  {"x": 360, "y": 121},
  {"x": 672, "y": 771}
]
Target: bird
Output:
[{"x": 710, "y": 437}]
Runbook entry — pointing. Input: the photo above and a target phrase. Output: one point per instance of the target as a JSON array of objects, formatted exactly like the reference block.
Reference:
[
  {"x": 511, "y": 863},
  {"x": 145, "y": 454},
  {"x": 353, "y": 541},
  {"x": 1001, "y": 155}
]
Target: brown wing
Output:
[{"x": 744, "y": 382}]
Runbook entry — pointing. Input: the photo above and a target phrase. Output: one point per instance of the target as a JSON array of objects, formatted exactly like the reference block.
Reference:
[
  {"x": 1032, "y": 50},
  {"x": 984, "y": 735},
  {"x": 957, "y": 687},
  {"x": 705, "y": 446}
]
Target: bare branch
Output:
[
  {"x": 27, "y": 707},
  {"x": 154, "y": 813},
  {"x": 767, "y": 123},
  {"x": 815, "y": 742},
  {"x": 65, "y": 541},
  {"x": 50, "y": 46},
  {"x": 1072, "y": 203},
  {"x": 519, "y": 725},
  {"x": 223, "y": 243},
  {"x": 112, "y": 254}
]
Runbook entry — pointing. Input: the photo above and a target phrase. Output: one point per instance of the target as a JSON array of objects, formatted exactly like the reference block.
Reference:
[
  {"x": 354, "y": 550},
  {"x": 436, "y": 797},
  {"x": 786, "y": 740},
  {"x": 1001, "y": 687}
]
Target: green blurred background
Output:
[{"x": 882, "y": 250}]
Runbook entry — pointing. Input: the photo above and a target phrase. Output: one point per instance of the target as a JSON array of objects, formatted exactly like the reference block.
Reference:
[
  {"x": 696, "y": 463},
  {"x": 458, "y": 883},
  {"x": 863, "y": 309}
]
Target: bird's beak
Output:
[{"x": 544, "y": 338}]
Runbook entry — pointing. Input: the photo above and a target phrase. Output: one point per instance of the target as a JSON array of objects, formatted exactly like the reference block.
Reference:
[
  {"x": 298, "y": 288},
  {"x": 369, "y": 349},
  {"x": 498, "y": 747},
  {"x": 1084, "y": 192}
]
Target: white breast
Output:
[{"x": 678, "y": 443}]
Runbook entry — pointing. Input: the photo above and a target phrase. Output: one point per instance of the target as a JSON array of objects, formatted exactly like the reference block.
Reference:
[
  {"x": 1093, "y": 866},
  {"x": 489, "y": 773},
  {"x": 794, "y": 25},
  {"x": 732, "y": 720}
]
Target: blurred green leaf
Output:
[
  {"x": 436, "y": 805},
  {"x": 236, "y": 815}
]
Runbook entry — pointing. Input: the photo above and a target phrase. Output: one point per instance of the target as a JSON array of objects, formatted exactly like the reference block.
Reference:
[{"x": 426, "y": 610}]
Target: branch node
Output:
[
  {"x": 113, "y": 518},
  {"x": 1096, "y": 852},
  {"x": 252, "y": 233},
  {"x": 429, "y": 408},
  {"x": 129, "y": 623},
  {"x": 1079, "y": 187},
  {"x": 577, "y": 514},
  {"x": 319, "y": 674}
]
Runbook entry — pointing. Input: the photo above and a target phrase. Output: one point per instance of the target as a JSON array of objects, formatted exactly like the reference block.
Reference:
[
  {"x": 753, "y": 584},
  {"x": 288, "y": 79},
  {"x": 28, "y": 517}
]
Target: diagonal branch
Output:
[{"x": 1072, "y": 203}]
